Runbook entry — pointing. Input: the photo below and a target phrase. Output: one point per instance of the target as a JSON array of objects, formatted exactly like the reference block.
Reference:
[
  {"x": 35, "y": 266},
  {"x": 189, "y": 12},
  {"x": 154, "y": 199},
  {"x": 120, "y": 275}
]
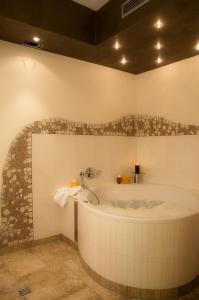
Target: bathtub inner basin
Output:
[
  {"x": 150, "y": 202},
  {"x": 136, "y": 204}
]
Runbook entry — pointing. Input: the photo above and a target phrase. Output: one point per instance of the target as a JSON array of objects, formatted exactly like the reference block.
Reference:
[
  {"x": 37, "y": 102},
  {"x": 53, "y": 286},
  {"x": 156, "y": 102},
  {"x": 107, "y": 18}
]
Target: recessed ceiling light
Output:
[
  {"x": 158, "y": 24},
  {"x": 36, "y": 39},
  {"x": 159, "y": 60},
  {"x": 123, "y": 60},
  {"x": 117, "y": 45},
  {"x": 197, "y": 46},
  {"x": 158, "y": 46}
]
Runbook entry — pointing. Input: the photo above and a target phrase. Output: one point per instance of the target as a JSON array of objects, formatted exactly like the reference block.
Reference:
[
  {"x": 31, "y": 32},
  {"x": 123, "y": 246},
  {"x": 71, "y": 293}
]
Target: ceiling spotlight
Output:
[
  {"x": 123, "y": 60},
  {"x": 158, "y": 24},
  {"x": 158, "y": 46},
  {"x": 197, "y": 46},
  {"x": 36, "y": 39},
  {"x": 117, "y": 46},
  {"x": 159, "y": 60}
]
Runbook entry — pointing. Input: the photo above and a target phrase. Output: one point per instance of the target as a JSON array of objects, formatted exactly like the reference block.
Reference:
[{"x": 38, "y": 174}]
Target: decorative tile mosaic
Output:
[{"x": 16, "y": 192}]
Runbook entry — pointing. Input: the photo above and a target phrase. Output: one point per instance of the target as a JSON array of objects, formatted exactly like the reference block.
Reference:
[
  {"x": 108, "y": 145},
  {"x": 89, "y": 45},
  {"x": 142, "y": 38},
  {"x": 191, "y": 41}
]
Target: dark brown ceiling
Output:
[{"x": 73, "y": 30}]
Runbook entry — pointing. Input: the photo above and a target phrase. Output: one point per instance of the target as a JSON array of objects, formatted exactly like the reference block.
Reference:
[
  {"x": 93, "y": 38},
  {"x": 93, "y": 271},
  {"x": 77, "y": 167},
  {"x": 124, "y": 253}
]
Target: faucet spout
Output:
[{"x": 82, "y": 183}]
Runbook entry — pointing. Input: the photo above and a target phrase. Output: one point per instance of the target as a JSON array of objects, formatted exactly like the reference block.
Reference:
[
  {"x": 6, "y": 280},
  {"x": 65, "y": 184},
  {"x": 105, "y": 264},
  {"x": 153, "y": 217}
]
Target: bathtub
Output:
[{"x": 141, "y": 236}]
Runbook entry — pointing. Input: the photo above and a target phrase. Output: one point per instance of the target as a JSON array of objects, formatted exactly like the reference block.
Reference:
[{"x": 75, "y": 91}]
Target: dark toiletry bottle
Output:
[
  {"x": 119, "y": 179},
  {"x": 137, "y": 168}
]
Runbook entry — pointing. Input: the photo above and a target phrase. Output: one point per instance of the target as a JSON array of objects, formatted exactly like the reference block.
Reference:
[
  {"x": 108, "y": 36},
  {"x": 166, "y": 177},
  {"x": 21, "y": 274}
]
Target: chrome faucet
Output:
[
  {"x": 89, "y": 173},
  {"x": 82, "y": 183}
]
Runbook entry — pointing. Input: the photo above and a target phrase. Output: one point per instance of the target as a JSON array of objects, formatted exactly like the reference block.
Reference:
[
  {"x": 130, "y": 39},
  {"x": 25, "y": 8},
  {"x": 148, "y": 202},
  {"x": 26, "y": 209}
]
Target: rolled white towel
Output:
[{"x": 62, "y": 195}]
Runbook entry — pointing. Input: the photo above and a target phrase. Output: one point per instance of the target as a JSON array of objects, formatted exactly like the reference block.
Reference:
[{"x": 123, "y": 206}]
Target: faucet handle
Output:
[
  {"x": 98, "y": 172},
  {"x": 91, "y": 173}
]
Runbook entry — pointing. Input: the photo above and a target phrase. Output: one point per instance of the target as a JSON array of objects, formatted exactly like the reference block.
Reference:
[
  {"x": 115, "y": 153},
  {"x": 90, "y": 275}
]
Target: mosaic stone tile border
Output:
[{"x": 16, "y": 193}]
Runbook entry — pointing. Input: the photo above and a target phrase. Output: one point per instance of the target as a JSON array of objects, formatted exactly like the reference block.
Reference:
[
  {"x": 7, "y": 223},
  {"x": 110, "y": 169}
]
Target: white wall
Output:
[
  {"x": 171, "y": 92},
  {"x": 170, "y": 160},
  {"x": 37, "y": 84},
  {"x": 57, "y": 159}
]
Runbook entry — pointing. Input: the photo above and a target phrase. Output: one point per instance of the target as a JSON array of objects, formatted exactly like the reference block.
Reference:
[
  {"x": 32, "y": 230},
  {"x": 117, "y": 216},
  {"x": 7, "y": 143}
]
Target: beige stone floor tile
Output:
[
  {"x": 51, "y": 249},
  {"x": 195, "y": 293},
  {"x": 105, "y": 293},
  {"x": 45, "y": 293},
  {"x": 38, "y": 277},
  {"x": 53, "y": 271},
  {"x": 54, "y": 289},
  {"x": 190, "y": 296},
  {"x": 45, "y": 283},
  {"x": 84, "y": 294},
  {"x": 62, "y": 261},
  {"x": 65, "y": 267},
  {"x": 77, "y": 270},
  {"x": 8, "y": 282},
  {"x": 54, "y": 257},
  {"x": 22, "y": 263},
  {"x": 12, "y": 296}
]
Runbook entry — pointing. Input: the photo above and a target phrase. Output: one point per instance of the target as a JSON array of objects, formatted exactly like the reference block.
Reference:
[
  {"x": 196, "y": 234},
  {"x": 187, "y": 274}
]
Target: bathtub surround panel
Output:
[
  {"x": 144, "y": 294},
  {"x": 139, "y": 255},
  {"x": 16, "y": 193}
]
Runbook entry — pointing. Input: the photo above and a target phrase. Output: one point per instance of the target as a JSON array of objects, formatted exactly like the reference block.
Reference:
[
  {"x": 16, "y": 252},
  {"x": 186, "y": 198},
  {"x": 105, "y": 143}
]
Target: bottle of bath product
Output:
[
  {"x": 119, "y": 179},
  {"x": 74, "y": 183},
  {"x": 137, "y": 168},
  {"x": 126, "y": 179}
]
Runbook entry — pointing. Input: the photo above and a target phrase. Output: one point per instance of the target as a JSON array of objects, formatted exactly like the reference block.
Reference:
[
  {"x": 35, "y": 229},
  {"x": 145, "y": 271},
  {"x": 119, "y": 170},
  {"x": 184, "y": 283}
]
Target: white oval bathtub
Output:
[{"x": 141, "y": 236}]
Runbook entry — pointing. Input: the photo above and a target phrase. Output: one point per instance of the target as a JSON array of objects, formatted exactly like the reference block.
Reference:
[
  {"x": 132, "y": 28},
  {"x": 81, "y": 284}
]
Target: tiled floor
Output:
[{"x": 53, "y": 272}]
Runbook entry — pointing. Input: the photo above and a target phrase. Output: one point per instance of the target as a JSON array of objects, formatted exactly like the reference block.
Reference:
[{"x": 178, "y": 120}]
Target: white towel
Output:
[{"x": 62, "y": 195}]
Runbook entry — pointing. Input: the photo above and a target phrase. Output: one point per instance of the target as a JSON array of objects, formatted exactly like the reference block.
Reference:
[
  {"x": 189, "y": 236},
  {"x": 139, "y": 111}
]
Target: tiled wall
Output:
[{"x": 16, "y": 193}]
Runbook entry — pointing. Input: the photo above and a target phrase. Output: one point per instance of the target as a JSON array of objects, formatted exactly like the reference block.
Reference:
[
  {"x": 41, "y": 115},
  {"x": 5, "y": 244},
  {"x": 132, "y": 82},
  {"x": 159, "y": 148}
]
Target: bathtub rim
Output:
[{"x": 82, "y": 200}]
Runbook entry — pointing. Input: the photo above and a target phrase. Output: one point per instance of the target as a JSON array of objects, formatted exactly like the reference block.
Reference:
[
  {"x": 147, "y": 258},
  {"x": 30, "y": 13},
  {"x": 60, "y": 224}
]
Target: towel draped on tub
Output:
[{"x": 62, "y": 195}]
